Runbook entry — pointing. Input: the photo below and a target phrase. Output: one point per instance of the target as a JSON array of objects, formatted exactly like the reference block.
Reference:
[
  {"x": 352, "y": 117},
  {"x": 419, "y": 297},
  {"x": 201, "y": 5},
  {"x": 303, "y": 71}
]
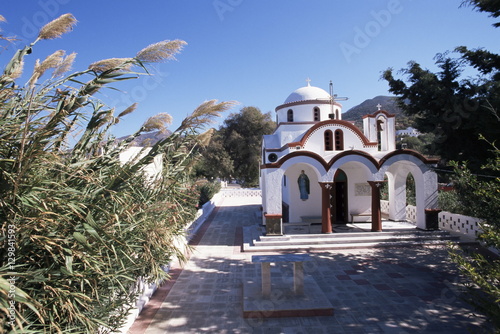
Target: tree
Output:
[
  {"x": 455, "y": 110},
  {"x": 239, "y": 139},
  {"x": 216, "y": 162},
  {"x": 488, "y": 6},
  {"x": 463, "y": 115},
  {"x": 478, "y": 197},
  {"x": 78, "y": 227}
]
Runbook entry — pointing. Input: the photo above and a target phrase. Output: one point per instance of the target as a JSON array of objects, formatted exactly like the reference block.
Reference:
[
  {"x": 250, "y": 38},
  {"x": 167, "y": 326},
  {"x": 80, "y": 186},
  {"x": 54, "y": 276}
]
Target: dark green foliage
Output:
[
  {"x": 216, "y": 162},
  {"x": 463, "y": 114},
  {"x": 236, "y": 147},
  {"x": 207, "y": 190},
  {"x": 489, "y": 6},
  {"x": 479, "y": 197},
  {"x": 455, "y": 110}
]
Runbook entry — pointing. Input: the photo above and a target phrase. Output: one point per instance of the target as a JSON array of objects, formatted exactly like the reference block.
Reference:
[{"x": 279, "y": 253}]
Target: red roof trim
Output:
[{"x": 379, "y": 112}]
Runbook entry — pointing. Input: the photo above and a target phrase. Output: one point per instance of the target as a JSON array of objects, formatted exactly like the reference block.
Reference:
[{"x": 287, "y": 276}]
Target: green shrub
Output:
[{"x": 207, "y": 191}]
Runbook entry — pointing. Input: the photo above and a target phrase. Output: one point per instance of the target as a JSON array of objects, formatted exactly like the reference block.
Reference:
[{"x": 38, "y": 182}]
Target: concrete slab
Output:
[{"x": 283, "y": 302}]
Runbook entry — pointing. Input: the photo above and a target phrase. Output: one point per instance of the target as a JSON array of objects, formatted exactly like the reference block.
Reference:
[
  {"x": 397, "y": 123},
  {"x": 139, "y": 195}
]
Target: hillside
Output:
[
  {"x": 369, "y": 106},
  {"x": 148, "y": 139}
]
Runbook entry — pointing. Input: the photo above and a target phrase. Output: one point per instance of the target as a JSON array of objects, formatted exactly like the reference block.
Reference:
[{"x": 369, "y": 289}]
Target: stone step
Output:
[
  {"x": 348, "y": 240},
  {"x": 289, "y": 237},
  {"x": 331, "y": 246},
  {"x": 372, "y": 238}
]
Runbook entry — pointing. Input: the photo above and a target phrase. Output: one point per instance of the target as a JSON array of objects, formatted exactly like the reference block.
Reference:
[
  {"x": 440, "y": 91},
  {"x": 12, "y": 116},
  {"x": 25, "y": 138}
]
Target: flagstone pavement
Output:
[{"x": 393, "y": 290}]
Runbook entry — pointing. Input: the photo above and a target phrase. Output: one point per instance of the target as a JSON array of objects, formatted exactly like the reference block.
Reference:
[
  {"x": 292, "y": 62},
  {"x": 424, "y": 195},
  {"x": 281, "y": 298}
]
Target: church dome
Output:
[{"x": 307, "y": 93}]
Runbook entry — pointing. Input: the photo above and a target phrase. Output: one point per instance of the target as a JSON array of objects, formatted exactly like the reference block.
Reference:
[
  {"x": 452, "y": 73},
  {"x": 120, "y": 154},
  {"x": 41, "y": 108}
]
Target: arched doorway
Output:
[{"x": 338, "y": 198}]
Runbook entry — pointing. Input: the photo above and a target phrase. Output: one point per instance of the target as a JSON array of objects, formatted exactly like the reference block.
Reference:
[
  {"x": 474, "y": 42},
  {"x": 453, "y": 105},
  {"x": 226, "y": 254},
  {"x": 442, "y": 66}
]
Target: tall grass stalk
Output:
[{"x": 77, "y": 226}]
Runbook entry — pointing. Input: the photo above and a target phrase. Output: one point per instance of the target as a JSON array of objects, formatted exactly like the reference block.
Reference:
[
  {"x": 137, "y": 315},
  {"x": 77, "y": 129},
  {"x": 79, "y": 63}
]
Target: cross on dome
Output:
[{"x": 308, "y": 82}]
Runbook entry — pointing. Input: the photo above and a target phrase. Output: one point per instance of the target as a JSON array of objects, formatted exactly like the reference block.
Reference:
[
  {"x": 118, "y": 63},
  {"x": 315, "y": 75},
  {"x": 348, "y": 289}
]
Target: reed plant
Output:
[{"x": 77, "y": 226}]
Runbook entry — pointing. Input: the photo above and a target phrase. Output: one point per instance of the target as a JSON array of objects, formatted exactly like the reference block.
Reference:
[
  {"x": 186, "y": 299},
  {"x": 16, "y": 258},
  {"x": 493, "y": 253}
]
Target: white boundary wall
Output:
[
  {"x": 241, "y": 192},
  {"x": 452, "y": 222},
  {"x": 460, "y": 224},
  {"x": 147, "y": 290}
]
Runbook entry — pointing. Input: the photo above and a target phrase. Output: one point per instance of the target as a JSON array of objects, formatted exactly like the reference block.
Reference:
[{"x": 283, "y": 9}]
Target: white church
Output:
[{"x": 317, "y": 167}]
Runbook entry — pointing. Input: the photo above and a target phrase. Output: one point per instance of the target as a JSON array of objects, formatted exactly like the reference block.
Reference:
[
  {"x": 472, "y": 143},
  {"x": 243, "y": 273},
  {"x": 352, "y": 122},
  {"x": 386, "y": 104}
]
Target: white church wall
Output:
[
  {"x": 305, "y": 112},
  {"x": 151, "y": 170},
  {"x": 271, "y": 200},
  {"x": 291, "y": 133},
  {"x": 358, "y": 190},
  {"x": 286, "y": 189},
  {"x": 299, "y": 207}
]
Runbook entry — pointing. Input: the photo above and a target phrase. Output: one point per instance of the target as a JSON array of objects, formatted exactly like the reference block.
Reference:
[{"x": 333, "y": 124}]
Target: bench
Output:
[
  {"x": 298, "y": 270},
  {"x": 363, "y": 214}
]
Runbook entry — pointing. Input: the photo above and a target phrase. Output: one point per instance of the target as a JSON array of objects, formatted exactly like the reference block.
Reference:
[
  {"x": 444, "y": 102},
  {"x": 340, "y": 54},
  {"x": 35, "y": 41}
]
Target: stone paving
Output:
[{"x": 395, "y": 290}]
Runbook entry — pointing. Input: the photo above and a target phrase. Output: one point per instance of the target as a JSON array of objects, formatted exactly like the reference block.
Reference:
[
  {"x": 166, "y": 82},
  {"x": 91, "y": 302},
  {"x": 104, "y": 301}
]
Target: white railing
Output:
[
  {"x": 241, "y": 192},
  {"x": 384, "y": 207},
  {"x": 411, "y": 214},
  {"x": 458, "y": 223}
]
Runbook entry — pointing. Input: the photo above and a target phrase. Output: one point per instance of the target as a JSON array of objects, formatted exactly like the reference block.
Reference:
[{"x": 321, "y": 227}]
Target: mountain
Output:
[
  {"x": 369, "y": 106},
  {"x": 148, "y": 139}
]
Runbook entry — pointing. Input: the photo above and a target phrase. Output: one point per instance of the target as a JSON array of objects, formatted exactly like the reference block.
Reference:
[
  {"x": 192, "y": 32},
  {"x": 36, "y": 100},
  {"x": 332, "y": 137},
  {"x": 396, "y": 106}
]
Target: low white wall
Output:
[
  {"x": 458, "y": 223},
  {"x": 384, "y": 207},
  {"x": 411, "y": 214},
  {"x": 146, "y": 290},
  {"x": 240, "y": 192}
]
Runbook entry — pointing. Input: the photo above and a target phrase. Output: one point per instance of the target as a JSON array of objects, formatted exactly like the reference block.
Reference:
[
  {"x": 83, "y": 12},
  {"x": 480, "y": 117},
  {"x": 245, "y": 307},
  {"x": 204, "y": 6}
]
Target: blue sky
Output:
[{"x": 253, "y": 51}]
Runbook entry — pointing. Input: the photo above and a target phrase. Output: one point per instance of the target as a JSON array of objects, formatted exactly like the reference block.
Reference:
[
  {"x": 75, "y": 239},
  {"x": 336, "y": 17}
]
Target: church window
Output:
[
  {"x": 316, "y": 114},
  {"x": 380, "y": 129},
  {"x": 328, "y": 140},
  {"x": 290, "y": 115},
  {"x": 339, "y": 140}
]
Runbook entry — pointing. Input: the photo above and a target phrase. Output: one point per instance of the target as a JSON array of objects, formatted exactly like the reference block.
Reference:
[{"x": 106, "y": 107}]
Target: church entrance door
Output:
[{"x": 338, "y": 199}]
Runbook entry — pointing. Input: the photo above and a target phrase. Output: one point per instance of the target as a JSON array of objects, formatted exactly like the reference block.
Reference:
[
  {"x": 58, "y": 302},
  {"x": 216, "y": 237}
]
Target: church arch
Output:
[
  {"x": 289, "y": 115},
  {"x": 398, "y": 168},
  {"x": 382, "y": 139},
  {"x": 339, "y": 140},
  {"x": 339, "y": 199},
  {"x": 328, "y": 139}
]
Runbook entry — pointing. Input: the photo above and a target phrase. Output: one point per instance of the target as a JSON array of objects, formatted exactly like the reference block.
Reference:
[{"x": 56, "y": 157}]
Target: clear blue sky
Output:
[{"x": 252, "y": 51}]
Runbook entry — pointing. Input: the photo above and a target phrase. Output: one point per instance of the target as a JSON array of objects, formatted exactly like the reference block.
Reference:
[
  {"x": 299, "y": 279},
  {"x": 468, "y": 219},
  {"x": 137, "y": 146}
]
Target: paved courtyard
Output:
[{"x": 394, "y": 290}]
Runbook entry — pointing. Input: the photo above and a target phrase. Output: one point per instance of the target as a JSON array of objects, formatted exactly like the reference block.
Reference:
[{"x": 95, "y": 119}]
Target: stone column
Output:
[
  {"x": 376, "y": 215},
  {"x": 326, "y": 219}
]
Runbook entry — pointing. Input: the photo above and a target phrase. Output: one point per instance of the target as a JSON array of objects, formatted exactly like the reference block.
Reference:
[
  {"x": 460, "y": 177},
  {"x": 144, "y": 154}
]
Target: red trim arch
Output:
[
  {"x": 289, "y": 156},
  {"x": 353, "y": 152},
  {"x": 347, "y": 124},
  {"x": 329, "y": 164},
  {"x": 416, "y": 154}
]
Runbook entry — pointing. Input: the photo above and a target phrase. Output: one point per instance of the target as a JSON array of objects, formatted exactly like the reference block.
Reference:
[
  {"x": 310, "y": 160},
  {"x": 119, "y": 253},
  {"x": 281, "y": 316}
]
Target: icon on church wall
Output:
[{"x": 303, "y": 182}]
